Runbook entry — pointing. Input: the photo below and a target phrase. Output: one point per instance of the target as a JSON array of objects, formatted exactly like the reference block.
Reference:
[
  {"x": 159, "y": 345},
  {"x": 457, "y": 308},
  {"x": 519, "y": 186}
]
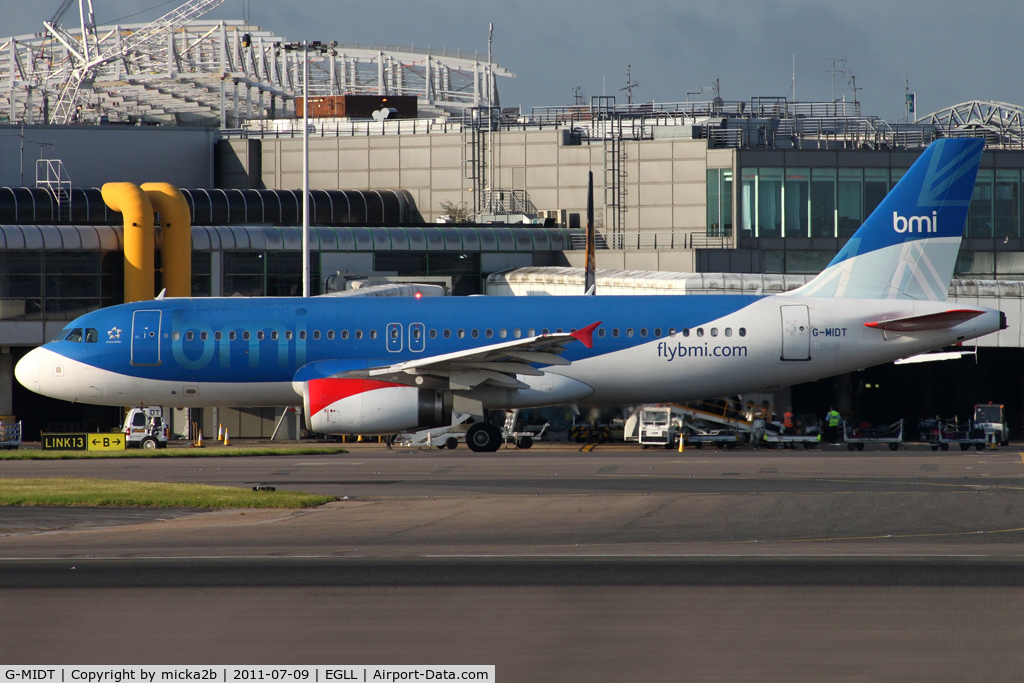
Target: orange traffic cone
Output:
[{"x": 227, "y": 439}]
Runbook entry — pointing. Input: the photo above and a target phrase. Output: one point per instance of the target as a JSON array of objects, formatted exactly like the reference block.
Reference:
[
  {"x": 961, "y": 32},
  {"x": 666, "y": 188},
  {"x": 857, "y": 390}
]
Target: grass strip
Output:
[
  {"x": 68, "y": 491},
  {"x": 212, "y": 452}
]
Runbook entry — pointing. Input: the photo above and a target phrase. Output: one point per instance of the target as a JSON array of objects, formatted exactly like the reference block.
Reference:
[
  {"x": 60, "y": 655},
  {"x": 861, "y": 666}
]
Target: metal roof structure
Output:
[
  {"x": 289, "y": 238},
  {"x": 199, "y": 72},
  {"x": 998, "y": 122}
]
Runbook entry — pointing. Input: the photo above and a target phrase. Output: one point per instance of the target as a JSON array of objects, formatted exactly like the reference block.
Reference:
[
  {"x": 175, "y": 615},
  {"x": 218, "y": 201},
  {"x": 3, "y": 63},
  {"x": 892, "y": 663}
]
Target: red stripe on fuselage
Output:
[{"x": 324, "y": 392}]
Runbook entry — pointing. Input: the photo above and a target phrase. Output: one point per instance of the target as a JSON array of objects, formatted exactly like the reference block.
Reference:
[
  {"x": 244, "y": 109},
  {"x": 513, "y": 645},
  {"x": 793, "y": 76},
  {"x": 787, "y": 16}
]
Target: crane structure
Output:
[{"x": 180, "y": 69}]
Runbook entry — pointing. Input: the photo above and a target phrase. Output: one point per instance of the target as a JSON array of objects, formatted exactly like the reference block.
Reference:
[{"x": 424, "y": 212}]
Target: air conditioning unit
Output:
[{"x": 559, "y": 216}]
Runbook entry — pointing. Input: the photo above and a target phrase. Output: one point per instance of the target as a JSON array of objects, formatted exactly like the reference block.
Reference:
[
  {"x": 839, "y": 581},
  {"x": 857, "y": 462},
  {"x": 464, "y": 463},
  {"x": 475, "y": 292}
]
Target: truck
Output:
[
  {"x": 992, "y": 419},
  {"x": 657, "y": 427},
  {"x": 145, "y": 428}
]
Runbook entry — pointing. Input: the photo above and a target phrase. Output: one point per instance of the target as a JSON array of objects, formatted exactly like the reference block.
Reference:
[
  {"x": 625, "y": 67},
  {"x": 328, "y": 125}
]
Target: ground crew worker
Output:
[
  {"x": 832, "y": 419},
  {"x": 787, "y": 421}
]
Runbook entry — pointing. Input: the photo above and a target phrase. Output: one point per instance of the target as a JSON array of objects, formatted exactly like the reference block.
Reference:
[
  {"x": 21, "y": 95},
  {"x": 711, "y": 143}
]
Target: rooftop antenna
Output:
[
  {"x": 577, "y": 95},
  {"x": 794, "y": 78},
  {"x": 834, "y": 71},
  {"x": 854, "y": 88},
  {"x": 629, "y": 84},
  {"x": 590, "y": 272}
]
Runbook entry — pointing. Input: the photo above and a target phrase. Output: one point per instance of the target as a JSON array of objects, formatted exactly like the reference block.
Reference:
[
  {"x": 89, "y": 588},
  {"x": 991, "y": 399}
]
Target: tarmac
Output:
[{"x": 553, "y": 563}]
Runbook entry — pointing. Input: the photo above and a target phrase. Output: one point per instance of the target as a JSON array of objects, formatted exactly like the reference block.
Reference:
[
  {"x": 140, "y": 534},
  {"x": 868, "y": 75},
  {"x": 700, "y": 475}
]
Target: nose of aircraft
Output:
[{"x": 29, "y": 368}]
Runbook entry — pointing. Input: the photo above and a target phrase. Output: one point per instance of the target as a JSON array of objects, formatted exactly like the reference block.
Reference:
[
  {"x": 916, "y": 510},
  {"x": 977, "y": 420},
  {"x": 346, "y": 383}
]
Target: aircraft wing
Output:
[
  {"x": 931, "y": 321},
  {"x": 495, "y": 364}
]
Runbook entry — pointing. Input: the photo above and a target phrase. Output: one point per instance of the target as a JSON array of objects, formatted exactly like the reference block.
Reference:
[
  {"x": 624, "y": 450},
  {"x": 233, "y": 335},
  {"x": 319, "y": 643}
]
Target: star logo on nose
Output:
[{"x": 114, "y": 333}]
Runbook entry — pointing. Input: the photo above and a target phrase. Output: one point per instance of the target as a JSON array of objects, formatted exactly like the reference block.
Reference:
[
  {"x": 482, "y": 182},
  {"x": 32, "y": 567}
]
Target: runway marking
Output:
[
  {"x": 882, "y": 536},
  {"x": 588, "y": 448}
]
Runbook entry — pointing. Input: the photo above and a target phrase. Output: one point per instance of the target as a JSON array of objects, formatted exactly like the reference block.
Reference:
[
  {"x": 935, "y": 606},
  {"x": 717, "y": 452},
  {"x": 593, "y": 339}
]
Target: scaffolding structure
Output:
[{"x": 183, "y": 70}]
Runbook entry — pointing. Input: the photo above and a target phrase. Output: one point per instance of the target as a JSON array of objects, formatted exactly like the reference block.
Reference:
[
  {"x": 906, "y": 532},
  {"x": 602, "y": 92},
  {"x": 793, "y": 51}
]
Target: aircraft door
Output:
[
  {"x": 146, "y": 337},
  {"x": 796, "y": 333},
  {"x": 416, "y": 337},
  {"x": 394, "y": 337}
]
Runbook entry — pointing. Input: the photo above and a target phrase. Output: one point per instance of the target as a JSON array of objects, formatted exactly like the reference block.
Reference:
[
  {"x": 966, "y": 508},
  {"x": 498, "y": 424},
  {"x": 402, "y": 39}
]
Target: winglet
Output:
[{"x": 586, "y": 335}]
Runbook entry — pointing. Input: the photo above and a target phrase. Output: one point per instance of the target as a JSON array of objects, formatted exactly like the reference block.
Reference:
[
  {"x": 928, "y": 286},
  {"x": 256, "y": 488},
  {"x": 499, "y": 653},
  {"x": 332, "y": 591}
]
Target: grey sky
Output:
[{"x": 951, "y": 51}]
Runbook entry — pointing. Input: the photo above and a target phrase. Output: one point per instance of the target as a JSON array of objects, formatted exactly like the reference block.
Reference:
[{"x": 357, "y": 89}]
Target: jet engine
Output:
[{"x": 368, "y": 406}]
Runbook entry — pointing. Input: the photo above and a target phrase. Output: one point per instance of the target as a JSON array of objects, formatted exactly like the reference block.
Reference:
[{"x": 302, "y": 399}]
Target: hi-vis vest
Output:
[{"x": 833, "y": 418}]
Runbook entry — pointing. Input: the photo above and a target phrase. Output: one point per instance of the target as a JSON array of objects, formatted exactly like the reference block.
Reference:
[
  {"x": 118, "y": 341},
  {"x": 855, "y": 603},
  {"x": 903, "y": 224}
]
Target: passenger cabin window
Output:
[
  {"x": 245, "y": 335},
  {"x": 728, "y": 332},
  {"x": 189, "y": 336},
  {"x": 447, "y": 334},
  {"x": 416, "y": 333},
  {"x": 743, "y": 332},
  {"x": 545, "y": 331},
  {"x": 671, "y": 331},
  {"x": 289, "y": 334},
  {"x": 657, "y": 331},
  {"x": 344, "y": 334},
  {"x": 488, "y": 333},
  {"x": 686, "y": 331},
  {"x": 502, "y": 333},
  {"x": 461, "y": 334},
  {"x": 517, "y": 333},
  {"x": 373, "y": 334},
  {"x": 330, "y": 334},
  {"x": 92, "y": 335},
  {"x": 700, "y": 331},
  {"x": 531, "y": 332},
  {"x": 359, "y": 334},
  {"x": 216, "y": 336},
  {"x": 203, "y": 336},
  {"x": 601, "y": 332},
  {"x": 231, "y": 335},
  {"x": 615, "y": 332},
  {"x": 394, "y": 333},
  {"x": 629, "y": 331},
  {"x": 259, "y": 335},
  {"x": 273, "y": 334},
  {"x": 433, "y": 334},
  {"x": 643, "y": 331},
  {"x": 714, "y": 331},
  {"x": 475, "y": 333}
]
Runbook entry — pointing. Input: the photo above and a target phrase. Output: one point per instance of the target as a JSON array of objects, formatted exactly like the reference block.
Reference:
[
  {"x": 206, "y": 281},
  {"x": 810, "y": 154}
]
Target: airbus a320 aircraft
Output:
[{"x": 382, "y": 366}]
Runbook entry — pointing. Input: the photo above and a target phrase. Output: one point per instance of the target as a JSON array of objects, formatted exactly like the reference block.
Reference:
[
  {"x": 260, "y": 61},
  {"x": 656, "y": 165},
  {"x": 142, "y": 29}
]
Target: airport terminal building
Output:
[{"x": 761, "y": 187}]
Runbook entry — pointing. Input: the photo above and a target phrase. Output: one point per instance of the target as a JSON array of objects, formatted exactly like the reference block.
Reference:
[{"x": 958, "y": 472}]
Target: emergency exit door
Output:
[{"x": 796, "y": 333}]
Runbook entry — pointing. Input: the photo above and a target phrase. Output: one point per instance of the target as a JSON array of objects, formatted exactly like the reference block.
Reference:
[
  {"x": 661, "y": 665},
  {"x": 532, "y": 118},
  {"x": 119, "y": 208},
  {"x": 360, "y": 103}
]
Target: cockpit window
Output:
[
  {"x": 61, "y": 335},
  {"x": 92, "y": 335},
  {"x": 74, "y": 335}
]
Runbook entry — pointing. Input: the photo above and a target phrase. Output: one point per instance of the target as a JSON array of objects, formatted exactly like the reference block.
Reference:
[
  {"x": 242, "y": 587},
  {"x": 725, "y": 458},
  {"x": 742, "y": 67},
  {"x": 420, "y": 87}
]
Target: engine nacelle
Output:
[{"x": 369, "y": 406}]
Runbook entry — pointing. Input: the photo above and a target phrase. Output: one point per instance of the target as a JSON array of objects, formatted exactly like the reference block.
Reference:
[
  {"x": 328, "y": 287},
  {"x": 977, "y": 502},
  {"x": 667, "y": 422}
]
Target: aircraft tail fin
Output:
[{"x": 907, "y": 247}]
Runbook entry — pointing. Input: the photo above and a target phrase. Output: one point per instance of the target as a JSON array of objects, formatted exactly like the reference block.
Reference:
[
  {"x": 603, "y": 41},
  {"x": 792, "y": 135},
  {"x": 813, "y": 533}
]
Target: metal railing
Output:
[
  {"x": 655, "y": 240},
  {"x": 505, "y": 202}
]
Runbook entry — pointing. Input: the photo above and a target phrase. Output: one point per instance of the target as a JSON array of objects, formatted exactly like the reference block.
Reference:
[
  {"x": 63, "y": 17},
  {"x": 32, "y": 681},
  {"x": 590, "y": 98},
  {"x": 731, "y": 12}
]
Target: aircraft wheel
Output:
[
  {"x": 860, "y": 447},
  {"x": 525, "y": 443},
  {"x": 452, "y": 443},
  {"x": 149, "y": 443},
  {"x": 894, "y": 446},
  {"x": 483, "y": 438},
  {"x": 944, "y": 446}
]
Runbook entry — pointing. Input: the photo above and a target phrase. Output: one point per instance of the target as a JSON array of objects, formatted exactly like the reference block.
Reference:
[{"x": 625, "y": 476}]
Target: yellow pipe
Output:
[
  {"x": 175, "y": 236},
  {"x": 137, "y": 212}
]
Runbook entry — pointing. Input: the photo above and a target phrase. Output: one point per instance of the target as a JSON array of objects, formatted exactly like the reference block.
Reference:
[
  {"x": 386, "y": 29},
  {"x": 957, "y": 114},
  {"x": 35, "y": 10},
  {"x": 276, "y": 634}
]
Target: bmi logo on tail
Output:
[{"x": 903, "y": 224}]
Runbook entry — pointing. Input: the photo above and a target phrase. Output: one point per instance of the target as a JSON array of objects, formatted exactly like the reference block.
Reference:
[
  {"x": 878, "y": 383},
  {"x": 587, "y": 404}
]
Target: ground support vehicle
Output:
[
  {"x": 10, "y": 433},
  {"x": 658, "y": 427},
  {"x": 773, "y": 435},
  {"x": 145, "y": 428},
  {"x": 992, "y": 419},
  {"x": 522, "y": 438},
  {"x": 440, "y": 437},
  {"x": 727, "y": 438},
  {"x": 856, "y": 437},
  {"x": 939, "y": 434}
]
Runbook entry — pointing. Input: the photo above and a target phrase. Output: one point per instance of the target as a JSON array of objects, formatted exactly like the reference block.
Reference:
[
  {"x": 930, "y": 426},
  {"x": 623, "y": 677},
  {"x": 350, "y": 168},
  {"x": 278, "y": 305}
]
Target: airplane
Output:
[{"x": 383, "y": 366}]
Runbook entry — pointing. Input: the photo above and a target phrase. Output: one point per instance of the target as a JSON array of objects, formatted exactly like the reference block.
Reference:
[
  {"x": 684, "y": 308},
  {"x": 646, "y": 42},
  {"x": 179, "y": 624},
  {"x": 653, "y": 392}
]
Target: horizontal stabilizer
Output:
[
  {"x": 931, "y": 357},
  {"x": 932, "y": 321}
]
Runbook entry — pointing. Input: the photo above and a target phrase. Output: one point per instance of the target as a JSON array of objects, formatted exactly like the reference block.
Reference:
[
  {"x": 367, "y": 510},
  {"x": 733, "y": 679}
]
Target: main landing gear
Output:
[{"x": 483, "y": 437}]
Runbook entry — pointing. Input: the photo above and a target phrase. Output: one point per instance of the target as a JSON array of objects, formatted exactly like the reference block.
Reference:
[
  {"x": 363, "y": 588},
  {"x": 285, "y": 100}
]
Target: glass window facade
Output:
[
  {"x": 719, "y": 222},
  {"x": 817, "y": 202},
  {"x": 37, "y": 285},
  {"x": 271, "y": 273}
]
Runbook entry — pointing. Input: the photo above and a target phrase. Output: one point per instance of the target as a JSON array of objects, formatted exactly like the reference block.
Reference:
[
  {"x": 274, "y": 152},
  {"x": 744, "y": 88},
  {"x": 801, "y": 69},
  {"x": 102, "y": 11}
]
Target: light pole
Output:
[{"x": 321, "y": 49}]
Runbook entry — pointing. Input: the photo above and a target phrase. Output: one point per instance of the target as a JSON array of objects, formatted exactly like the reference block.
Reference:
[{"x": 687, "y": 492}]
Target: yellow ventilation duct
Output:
[
  {"x": 137, "y": 212},
  {"x": 175, "y": 237}
]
